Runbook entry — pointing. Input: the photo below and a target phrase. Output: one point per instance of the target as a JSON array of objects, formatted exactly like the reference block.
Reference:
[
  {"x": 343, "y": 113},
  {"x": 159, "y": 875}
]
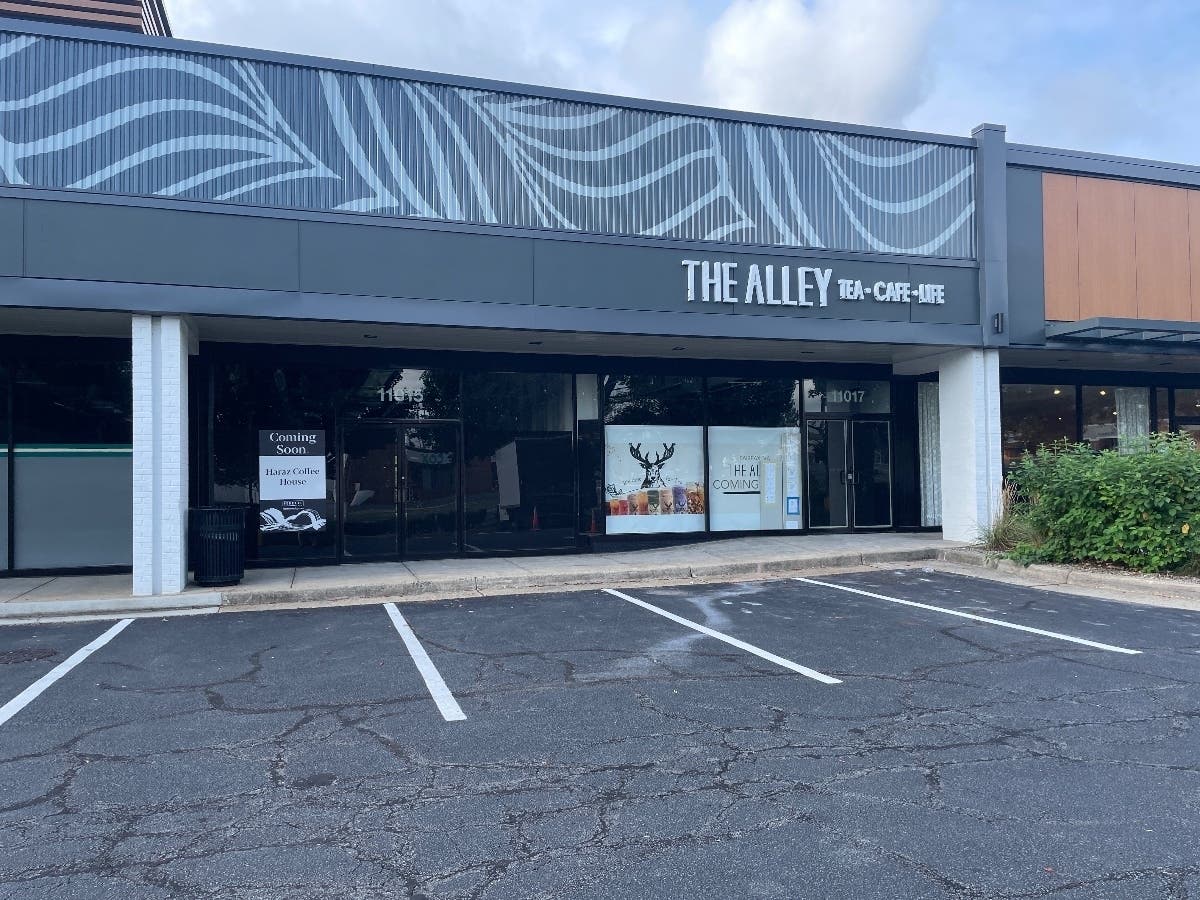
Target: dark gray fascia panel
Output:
[
  {"x": 485, "y": 84},
  {"x": 12, "y": 237},
  {"x": 1080, "y": 162},
  {"x": 388, "y": 262},
  {"x": 1026, "y": 258},
  {"x": 371, "y": 220},
  {"x": 617, "y": 277},
  {"x": 159, "y": 246},
  {"x": 153, "y": 300}
]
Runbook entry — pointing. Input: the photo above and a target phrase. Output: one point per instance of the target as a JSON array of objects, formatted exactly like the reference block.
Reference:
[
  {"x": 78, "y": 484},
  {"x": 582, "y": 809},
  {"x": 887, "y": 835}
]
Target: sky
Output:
[{"x": 1111, "y": 76}]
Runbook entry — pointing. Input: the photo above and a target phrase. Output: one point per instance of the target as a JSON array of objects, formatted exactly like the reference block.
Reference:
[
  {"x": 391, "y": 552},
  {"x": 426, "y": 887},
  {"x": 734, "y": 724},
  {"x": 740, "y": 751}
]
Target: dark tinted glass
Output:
[
  {"x": 590, "y": 454},
  {"x": 1163, "y": 400},
  {"x": 293, "y": 397},
  {"x": 652, "y": 400},
  {"x": 4, "y": 464},
  {"x": 1187, "y": 403},
  {"x": 1035, "y": 414},
  {"x": 847, "y": 395},
  {"x": 394, "y": 392},
  {"x": 72, "y": 468},
  {"x": 755, "y": 402},
  {"x": 519, "y": 461},
  {"x": 1113, "y": 417}
]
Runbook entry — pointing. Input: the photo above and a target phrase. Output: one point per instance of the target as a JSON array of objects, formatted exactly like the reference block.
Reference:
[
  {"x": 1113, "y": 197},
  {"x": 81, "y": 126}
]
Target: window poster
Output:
[
  {"x": 654, "y": 478},
  {"x": 291, "y": 481},
  {"x": 753, "y": 478}
]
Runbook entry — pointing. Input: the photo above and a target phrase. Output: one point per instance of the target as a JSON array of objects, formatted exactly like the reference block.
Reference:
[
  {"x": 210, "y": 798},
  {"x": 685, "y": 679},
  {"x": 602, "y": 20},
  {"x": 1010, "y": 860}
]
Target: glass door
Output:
[
  {"x": 849, "y": 473},
  {"x": 828, "y": 473},
  {"x": 871, "y": 475},
  {"x": 430, "y": 490},
  {"x": 400, "y": 491},
  {"x": 371, "y": 518}
]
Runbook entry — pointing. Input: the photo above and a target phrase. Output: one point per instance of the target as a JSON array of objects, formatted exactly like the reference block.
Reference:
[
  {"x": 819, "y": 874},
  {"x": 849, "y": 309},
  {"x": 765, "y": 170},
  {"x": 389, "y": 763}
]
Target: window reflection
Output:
[
  {"x": 520, "y": 468},
  {"x": 1114, "y": 417},
  {"x": 1033, "y": 415}
]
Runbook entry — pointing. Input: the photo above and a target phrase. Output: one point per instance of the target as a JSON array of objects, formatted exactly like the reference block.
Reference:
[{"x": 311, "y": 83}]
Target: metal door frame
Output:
[
  {"x": 891, "y": 523},
  {"x": 400, "y": 478},
  {"x": 848, "y": 422}
]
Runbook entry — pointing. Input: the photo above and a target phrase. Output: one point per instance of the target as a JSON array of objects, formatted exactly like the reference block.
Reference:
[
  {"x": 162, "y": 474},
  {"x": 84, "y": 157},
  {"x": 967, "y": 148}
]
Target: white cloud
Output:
[
  {"x": 855, "y": 60},
  {"x": 850, "y": 60}
]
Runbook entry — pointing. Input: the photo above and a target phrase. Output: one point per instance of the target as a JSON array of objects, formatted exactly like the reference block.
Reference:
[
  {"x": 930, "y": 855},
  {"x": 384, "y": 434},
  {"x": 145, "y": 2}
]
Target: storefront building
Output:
[{"x": 403, "y": 315}]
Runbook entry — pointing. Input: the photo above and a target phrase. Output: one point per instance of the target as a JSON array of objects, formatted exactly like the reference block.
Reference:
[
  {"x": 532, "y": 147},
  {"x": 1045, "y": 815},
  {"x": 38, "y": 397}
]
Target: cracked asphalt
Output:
[{"x": 610, "y": 752}]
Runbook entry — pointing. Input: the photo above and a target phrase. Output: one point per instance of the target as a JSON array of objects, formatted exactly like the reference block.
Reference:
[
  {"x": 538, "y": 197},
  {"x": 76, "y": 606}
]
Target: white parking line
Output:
[
  {"x": 955, "y": 612},
  {"x": 445, "y": 701},
  {"x": 27, "y": 696},
  {"x": 734, "y": 642}
]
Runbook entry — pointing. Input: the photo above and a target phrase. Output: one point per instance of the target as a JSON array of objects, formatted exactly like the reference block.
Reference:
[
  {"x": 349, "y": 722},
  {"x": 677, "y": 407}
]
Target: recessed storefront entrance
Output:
[
  {"x": 400, "y": 490},
  {"x": 849, "y": 473}
]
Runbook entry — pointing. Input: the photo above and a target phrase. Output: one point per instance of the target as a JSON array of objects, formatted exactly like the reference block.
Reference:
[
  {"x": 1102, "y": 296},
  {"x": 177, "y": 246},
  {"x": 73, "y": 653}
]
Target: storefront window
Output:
[
  {"x": 73, "y": 477},
  {"x": 284, "y": 399},
  {"x": 1033, "y": 415},
  {"x": 653, "y": 454},
  {"x": 4, "y": 463},
  {"x": 753, "y": 454},
  {"x": 394, "y": 392},
  {"x": 592, "y": 504},
  {"x": 1163, "y": 400},
  {"x": 1114, "y": 417},
  {"x": 1187, "y": 403},
  {"x": 520, "y": 469},
  {"x": 843, "y": 395},
  {"x": 1187, "y": 412}
]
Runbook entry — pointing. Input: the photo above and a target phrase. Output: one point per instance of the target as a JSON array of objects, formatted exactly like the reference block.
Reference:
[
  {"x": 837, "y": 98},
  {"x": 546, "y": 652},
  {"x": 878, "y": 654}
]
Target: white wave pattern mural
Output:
[{"x": 107, "y": 117}]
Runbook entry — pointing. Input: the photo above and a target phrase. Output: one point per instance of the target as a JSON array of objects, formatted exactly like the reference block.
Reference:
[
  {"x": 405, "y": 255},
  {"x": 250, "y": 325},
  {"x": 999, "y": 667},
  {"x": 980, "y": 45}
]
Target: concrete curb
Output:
[
  {"x": 117, "y": 607},
  {"x": 457, "y": 587},
  {"x": 1078, "y": 577},
  {"x": 451, "y": 587}
]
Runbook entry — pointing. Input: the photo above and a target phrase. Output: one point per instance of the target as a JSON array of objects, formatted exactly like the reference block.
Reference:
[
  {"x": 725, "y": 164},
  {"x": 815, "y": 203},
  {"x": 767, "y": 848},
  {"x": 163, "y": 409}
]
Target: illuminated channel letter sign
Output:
[
  {"x": 799, "y": 286},
  {"x": 291, "y": 481}
]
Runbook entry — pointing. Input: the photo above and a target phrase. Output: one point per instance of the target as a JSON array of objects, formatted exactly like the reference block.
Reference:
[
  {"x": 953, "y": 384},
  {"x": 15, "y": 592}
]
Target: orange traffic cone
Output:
[{"x": 535, "y": 525}]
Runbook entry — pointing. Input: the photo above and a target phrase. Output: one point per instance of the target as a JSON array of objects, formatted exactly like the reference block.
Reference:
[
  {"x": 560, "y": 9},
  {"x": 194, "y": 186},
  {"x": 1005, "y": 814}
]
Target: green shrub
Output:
[{"x": 1137, "y": 507}]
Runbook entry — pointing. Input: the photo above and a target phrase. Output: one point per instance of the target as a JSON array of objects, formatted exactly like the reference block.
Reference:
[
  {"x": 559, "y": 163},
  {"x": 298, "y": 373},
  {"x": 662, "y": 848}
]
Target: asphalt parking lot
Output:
[{"x": 901, "y": 734}]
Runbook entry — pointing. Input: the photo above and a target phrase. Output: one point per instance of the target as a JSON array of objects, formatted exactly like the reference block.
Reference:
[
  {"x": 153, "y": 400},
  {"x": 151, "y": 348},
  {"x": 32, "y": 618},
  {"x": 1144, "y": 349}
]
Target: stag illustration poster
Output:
[{"x": 654, "y": 478}]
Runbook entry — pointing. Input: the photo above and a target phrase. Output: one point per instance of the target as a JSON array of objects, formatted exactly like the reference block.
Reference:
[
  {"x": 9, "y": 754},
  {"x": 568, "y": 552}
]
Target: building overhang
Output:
[{"x": 1126, "y": 332}]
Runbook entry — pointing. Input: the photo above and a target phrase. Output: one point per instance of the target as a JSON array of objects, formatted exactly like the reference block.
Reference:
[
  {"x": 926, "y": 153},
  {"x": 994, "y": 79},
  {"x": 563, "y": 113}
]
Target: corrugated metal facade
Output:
[{"x": 132, "y": 120}]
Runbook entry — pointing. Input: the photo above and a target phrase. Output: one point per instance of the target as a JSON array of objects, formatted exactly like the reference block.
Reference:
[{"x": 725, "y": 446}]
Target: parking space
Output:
[{"x": 765, "y": 739}]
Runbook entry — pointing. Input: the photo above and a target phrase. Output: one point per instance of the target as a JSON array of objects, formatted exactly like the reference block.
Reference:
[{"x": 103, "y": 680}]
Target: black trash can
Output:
[{"x": 219, "y": 545}]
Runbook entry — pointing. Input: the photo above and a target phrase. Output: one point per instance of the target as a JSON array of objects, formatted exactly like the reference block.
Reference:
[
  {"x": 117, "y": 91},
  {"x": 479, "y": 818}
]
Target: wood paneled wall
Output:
[
  {"x": 147, "y": 16},
  {"x": 1120, "y": 249}
]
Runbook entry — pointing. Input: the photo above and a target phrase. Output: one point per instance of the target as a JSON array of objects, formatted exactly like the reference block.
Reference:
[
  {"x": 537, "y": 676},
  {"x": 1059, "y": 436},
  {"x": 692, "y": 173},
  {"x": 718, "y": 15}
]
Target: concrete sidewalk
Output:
[{"x": 25, "y": 599}]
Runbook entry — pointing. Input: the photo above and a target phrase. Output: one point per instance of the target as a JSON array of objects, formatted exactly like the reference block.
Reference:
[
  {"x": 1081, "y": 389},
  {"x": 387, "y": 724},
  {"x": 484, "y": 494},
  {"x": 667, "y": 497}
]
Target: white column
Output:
[
  {"x": 161, "y": 345},
  {"x": 969, "y": 409}
]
